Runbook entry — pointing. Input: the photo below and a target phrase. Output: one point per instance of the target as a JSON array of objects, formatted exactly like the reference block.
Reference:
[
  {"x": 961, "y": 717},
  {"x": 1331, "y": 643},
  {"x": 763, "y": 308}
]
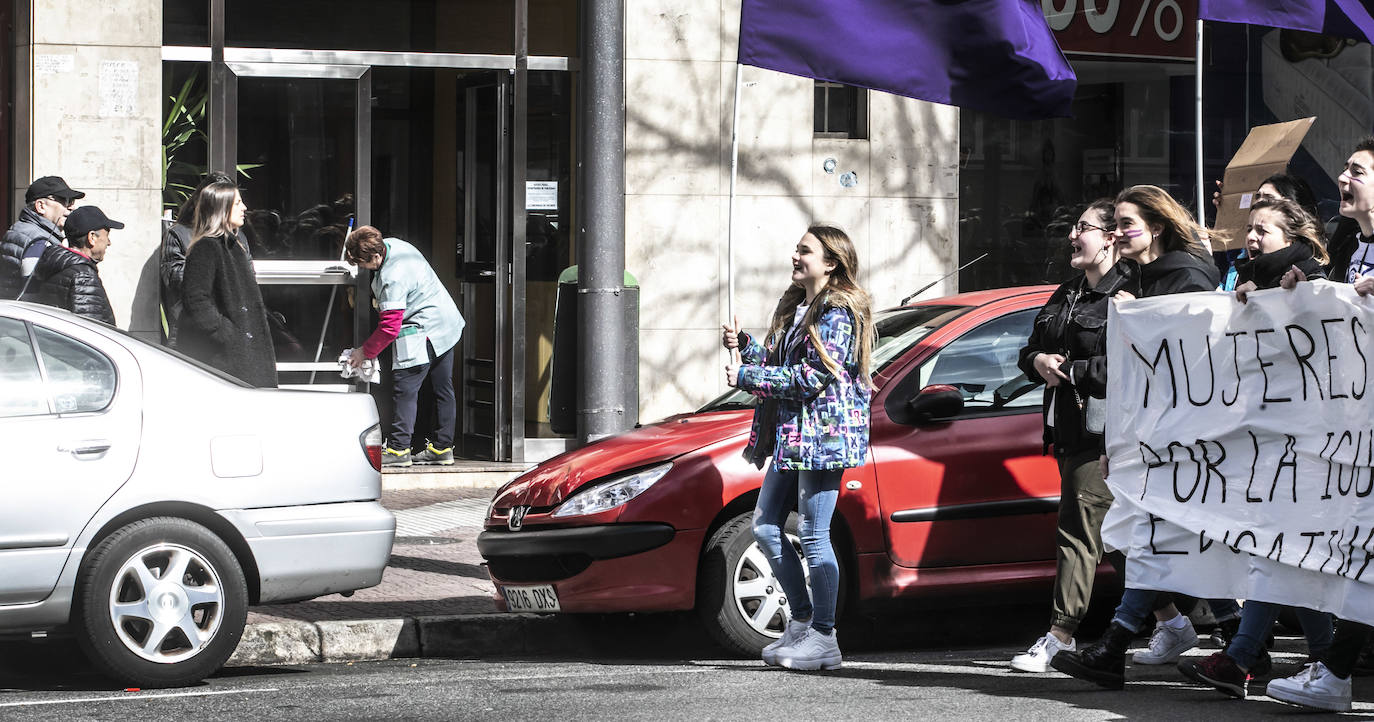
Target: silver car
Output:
[{"x": 149, "y": 500}]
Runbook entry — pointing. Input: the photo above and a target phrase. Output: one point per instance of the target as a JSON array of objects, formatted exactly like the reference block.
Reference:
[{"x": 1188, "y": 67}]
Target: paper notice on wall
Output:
[
  {"x": 118, "y": 88},
  {"x": 53, "y": 64},
  {"x": 541, "y": 195}
]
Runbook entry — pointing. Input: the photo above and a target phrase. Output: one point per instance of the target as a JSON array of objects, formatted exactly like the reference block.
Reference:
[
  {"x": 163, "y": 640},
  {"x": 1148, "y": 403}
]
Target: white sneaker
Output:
[
  {"x": 791, "y": 635},
  {"x": 1167, "y": 644},
  {"x": 1315, "y": 686},
  {"x": 1037, "y": 658},
  {"x": 814, "y": 651}
]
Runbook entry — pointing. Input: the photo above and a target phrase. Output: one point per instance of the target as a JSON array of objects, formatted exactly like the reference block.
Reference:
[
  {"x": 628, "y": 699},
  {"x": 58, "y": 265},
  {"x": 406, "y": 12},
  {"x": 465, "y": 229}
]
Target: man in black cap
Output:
[
  {"x": 46, "y": 204},
  {"x": 68, "y": 275}
]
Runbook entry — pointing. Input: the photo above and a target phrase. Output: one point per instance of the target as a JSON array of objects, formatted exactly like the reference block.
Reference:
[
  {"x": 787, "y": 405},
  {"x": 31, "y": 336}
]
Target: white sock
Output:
[{"x": 1177, "y": 622}]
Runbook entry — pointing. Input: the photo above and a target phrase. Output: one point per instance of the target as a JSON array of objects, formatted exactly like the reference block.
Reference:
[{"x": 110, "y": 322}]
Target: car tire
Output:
[
  {"x": 136, "y": 625},
  {"x": 738, "y": 620}
]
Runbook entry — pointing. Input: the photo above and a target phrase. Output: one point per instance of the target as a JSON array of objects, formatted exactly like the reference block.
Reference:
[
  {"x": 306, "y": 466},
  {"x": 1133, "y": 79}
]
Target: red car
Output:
[{"x": 956, "y": 503}]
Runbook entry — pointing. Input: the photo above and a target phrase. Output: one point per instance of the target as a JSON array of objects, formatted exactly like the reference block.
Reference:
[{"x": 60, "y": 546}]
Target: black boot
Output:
[{"x": 1103, "y": 663}]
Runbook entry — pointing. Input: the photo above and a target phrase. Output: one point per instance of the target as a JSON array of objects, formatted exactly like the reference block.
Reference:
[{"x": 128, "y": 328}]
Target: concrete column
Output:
[{"x": 88, "y": 90}]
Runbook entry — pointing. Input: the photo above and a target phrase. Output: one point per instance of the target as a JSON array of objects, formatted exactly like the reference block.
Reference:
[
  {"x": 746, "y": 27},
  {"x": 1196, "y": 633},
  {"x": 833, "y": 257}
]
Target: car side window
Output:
[
  {"x": 80, "y": 379},
  {"x": 21, "y": 386},
  {"x": 982, "y": 365}
]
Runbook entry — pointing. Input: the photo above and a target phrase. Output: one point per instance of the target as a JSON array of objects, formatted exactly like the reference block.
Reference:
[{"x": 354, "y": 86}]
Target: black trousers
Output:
[
  {"x": 405, "y": 393},
  {"x": 1345, "y": 648}
]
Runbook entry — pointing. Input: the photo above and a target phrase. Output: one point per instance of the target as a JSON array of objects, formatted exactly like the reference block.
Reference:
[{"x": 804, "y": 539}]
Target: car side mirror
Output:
[{"x": 935, "y": 403}]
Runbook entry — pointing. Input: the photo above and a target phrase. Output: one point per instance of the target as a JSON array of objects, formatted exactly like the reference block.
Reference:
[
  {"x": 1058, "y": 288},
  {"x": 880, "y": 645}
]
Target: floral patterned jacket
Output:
[{"x": 819, "y": 421}]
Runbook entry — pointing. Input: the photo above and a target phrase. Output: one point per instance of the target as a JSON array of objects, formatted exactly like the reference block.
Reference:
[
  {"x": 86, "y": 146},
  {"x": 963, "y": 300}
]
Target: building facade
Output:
[{"x": 454, "y": 124}]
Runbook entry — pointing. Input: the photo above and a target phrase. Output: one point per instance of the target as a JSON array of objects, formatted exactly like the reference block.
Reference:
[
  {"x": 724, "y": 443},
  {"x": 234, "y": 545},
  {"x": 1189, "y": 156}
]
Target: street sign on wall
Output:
[{"x": 1124, "y": 28}]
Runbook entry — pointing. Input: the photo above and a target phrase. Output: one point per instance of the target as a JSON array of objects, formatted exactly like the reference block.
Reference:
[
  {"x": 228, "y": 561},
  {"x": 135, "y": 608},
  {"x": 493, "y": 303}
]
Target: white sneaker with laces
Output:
[
  {"x": 814, "y": 651},
  {"x": 791, "y": 635},
  {"x": 1037, "y": 658},
  {"x": 1315, "y": 686},
  {"x": 1168, "y": 644}
]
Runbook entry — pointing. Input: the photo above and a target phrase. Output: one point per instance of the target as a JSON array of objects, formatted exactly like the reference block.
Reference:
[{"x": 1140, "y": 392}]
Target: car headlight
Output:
[{"x": 611, "y": 493}]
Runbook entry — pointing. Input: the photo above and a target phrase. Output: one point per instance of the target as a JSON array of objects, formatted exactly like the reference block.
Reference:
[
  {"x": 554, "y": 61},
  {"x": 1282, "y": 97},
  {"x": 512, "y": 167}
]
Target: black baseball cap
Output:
[
  {"x": 51, "y": 185},
  {"x": 85, "y": 219}
]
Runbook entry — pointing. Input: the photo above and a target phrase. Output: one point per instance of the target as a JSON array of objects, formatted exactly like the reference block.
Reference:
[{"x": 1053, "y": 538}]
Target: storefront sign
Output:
[
  {"x": 1124, "y": 28},
  {"x": 1241, "y": 441},
  {"x": 541, "y": 195}
]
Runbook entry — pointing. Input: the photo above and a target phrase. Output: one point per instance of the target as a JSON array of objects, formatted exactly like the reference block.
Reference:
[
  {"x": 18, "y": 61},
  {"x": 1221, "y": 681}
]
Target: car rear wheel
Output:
[
  {"x": 161, "y": 602},
  {"x": 738, "y": 599}
]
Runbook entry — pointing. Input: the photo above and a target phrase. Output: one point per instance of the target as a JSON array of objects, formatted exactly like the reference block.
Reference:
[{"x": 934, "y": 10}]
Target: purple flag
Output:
[
  {"x": 1343, "y": 18},
  {"x": 997, "y": 56}
]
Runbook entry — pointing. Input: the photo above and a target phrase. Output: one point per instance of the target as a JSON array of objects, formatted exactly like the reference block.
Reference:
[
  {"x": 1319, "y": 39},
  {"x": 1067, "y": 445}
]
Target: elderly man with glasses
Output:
[{"x": 47, "y": 202}]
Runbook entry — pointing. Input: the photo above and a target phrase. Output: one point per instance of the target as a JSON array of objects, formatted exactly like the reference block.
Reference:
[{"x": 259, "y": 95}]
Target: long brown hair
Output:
[
  {"x": 841, "y": 291},
  {"x": 1296, "y": 223},
  {"x": 1158, "y": 208},
  {"x": 214, "y": 205}
]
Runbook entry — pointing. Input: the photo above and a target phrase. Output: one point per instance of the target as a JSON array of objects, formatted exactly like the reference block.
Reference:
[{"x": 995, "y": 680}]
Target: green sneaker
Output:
[
  {"x": 431, "y": 455},
  {"x": 392, "y": 457}
]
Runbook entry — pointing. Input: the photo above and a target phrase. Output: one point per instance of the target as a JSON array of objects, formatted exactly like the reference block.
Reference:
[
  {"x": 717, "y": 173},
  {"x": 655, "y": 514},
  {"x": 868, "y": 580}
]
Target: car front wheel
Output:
[
  {"x": 162, "y": 602},
  {"x": 739, "y": 600}
]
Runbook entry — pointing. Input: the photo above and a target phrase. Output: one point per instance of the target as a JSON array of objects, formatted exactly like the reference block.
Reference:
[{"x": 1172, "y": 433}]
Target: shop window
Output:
[{"x": 841, "y": 111}]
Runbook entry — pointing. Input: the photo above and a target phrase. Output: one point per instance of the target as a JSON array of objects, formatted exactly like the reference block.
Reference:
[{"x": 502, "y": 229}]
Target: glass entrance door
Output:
[
  {"x": 302, "y": 140},
  {"x": 483, "y": 262}
]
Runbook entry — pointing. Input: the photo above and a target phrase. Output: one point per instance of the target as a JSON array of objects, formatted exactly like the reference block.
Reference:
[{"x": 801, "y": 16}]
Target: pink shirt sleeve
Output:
[{"x": 388, "y": 328}]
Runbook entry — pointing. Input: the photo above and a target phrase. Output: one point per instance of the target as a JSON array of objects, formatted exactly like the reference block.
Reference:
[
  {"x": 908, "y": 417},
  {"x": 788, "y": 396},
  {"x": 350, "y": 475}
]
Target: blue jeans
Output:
[
  {"x": 815, "y": 493},
  {"x": 1257, "y": 618},
  {"x": 1136, "y": 606}
]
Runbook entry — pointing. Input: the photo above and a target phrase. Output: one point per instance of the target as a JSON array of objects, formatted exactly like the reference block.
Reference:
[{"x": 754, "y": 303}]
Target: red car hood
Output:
[{"x": 552, "y": 481}]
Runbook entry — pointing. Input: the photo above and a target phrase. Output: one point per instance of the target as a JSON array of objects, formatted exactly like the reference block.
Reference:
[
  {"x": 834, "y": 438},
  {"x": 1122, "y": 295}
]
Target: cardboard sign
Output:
[{"x": 1266, "y": 151}]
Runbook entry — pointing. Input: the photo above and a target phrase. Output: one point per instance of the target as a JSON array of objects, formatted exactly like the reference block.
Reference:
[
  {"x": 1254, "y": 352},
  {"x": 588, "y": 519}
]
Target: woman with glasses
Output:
[{"x": 1067, "y": 348}]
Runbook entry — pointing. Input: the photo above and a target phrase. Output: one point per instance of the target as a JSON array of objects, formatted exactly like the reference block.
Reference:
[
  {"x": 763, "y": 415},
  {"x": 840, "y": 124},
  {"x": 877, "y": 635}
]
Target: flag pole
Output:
[
  {"x": 730, "y": 221},
  {"x": 1197, "y": 132}
]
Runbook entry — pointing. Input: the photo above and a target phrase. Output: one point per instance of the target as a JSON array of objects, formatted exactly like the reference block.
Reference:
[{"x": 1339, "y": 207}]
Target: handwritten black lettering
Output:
[
  {"x": 1303, "y": 359},
  {"x": 1259, "y": 356},
  {"x": 1154, "y": 368},
  {"x": 1330, "y": 368}
]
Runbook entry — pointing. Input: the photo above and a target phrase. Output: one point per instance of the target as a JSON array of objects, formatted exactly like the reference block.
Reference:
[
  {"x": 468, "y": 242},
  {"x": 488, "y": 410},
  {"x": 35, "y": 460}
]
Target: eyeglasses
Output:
[
  {"x": 68, "y": 204},
  {"x": 1083, "y": 227}
]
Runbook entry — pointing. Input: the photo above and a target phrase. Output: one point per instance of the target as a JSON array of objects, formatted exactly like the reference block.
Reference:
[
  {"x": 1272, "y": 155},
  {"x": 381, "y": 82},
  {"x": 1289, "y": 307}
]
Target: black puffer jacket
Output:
[
  {"x": 67, "y": 279},
  {"x": 29, "y": 229},
  {"x": 1178, "y": 272},
  {"x": 1073, "y": 323},
  {"x": 224, "y": 322},
  {"x": 1267, "y": 269}
]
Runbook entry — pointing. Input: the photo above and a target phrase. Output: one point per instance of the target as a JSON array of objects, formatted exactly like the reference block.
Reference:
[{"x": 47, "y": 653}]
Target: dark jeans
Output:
[
  {"x": 1345, "y": 648},
  {"x": 405, "y": 391}
]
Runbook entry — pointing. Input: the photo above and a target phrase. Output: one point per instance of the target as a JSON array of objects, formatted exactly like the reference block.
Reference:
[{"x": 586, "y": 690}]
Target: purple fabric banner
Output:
[
  {"x": 1343, "y": 18},
  {"x": 997, "y": 56}
]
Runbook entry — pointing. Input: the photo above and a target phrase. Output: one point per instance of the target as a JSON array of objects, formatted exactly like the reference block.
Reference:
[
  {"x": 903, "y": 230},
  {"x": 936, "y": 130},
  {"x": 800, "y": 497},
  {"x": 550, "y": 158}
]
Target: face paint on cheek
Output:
[
  {"x": 1134, "y": 233},
  {"x": 1353, "y": 179}
]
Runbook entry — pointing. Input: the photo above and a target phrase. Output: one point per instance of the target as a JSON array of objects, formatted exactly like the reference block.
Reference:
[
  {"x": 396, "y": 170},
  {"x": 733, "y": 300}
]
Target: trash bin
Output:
[{"x": 563, "y": 394}]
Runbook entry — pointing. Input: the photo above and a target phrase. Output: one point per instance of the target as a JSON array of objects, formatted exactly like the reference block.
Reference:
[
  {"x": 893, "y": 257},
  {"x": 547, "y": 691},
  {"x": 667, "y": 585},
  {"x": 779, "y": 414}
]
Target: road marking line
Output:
[{"x": 132, "y": 697}]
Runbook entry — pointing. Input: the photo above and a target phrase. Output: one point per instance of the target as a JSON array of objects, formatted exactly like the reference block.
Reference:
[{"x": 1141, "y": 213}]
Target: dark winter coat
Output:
[
  {"x": 1267, "y": 269},
  {"x": 1073, "y": 323},
  {"x": 29, "y": 229},
  {"x": 171, "y": 265},
  {"x": 224, "y": 322},
  {"x": 1177, "y": 272},
  {"x": 68, "y": 279}
]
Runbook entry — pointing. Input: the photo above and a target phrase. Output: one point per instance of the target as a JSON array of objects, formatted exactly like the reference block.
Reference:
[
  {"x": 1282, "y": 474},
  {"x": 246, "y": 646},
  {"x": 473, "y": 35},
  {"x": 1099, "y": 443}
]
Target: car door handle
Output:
[{"x": 90, "y": 447}]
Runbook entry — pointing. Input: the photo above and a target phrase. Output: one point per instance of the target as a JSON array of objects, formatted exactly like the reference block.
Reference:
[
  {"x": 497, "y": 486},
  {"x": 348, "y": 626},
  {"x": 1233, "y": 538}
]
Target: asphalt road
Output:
[{"x": 958, "y": 684}]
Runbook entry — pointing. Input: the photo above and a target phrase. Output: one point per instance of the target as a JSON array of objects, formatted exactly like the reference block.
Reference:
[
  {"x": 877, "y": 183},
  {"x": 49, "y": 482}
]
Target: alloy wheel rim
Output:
[
  {"x": 166, "y": 603},
  {"x": 759, "y": 598}
]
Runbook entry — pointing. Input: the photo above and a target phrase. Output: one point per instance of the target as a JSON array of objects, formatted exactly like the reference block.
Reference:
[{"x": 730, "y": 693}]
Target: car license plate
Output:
[{"x": 539, "y": 598}]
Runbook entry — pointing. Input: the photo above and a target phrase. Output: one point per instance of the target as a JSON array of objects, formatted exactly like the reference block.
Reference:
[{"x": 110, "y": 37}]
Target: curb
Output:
[{"x": 464, "y": 636}]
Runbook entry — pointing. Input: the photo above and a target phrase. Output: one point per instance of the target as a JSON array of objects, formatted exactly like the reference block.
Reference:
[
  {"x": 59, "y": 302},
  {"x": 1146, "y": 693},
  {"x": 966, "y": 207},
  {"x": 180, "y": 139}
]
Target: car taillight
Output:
[{"x": 372, "y": 445}]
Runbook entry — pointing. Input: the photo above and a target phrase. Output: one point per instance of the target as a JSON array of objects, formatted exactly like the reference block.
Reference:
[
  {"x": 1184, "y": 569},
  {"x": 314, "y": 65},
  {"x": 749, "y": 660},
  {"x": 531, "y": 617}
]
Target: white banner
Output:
[{"x": 1241, "y": 439}]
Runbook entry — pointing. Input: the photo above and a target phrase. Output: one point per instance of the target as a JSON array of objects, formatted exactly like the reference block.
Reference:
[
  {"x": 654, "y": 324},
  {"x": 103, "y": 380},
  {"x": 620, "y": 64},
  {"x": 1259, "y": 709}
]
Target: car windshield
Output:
[{"x": 898, "y": 330}]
